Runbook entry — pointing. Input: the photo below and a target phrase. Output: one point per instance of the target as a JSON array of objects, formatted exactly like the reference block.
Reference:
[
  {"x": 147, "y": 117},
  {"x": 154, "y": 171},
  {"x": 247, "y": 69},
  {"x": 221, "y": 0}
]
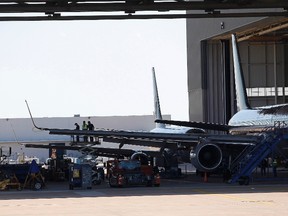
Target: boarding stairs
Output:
[{"x": 252, "y": 155}]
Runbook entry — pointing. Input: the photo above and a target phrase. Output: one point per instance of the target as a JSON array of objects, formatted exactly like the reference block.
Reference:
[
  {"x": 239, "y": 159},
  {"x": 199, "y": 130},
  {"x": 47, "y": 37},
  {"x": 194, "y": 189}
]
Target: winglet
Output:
[
  {"x": 157, "y": 108},
  {"x": 32, "y": 118},
  {"x": 241, "y": 94}
]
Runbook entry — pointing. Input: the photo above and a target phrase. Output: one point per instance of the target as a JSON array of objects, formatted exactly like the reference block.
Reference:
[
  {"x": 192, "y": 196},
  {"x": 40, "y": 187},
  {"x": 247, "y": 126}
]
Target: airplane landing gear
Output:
[{"x": 244, "y": 180}]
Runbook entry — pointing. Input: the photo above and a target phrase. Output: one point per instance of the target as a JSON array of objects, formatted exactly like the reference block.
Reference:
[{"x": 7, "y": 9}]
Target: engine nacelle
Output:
[
  {"x": 140, "y": 156},
  {"x": 206, "y": 157}
]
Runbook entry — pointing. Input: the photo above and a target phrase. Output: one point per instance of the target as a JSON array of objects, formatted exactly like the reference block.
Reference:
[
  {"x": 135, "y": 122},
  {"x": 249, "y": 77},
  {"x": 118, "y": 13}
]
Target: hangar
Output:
[
  {"x": 263, "y": 52},
  {"x": 260, "y": 25},
  {"x": 209, "y": 65}
]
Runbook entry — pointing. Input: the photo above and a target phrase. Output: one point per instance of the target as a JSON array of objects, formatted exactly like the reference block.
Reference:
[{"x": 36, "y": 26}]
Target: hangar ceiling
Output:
[
  {"x": 270, "y": 29},
  {"x": 35, "y": 10}
]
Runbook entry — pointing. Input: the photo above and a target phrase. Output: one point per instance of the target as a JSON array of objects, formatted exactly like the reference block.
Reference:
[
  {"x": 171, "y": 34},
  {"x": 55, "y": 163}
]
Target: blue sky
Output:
[{"x": 93, "y": 68}]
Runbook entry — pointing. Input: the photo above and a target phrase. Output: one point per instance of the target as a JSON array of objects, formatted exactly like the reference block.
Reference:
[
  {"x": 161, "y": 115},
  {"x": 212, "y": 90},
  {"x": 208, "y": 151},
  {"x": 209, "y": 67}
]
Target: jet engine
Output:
[
  {"x": 140, "y": 156},
  {"x": 206, "y": 157}
]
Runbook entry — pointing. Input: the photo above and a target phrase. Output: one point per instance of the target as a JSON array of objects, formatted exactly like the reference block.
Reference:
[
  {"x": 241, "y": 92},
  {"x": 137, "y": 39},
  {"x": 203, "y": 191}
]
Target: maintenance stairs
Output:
[
  {"x": 90, "y": 154},
  {"x": 252, "y": 155}
]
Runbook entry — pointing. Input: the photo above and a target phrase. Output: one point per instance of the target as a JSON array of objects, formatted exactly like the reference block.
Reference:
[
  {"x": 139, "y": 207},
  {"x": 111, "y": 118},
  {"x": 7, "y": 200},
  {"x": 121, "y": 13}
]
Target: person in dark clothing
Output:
[
  {"x": 77, "y": 127},
  {"x": 274, "y": 167},
  {"x": 90, "y": 128},
  {"x": 264, "y": 165}
]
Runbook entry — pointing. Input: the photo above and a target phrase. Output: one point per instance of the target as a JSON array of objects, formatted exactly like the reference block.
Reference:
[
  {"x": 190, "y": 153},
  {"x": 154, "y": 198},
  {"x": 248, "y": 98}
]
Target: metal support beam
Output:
[{"x": 57, "y": 9}]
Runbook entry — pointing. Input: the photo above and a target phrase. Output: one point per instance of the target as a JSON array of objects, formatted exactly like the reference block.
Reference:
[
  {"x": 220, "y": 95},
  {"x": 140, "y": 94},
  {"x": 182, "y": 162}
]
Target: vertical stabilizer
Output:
[
  {"x": 157, "y": 109},
  {"x": 241, "y": 94}
]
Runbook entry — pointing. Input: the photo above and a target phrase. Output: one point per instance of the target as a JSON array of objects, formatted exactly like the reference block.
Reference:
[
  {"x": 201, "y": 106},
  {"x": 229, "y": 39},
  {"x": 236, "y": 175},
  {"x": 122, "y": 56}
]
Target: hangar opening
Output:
[{"x": 263, "y": 52}]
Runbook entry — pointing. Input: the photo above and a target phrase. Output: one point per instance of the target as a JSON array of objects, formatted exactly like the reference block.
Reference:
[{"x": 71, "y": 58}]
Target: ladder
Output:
[{"x": 251, "y": 156}]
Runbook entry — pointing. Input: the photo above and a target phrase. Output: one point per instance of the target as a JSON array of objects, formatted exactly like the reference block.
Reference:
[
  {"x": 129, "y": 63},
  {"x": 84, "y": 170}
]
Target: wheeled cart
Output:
[{"x": 80, "y": 175}]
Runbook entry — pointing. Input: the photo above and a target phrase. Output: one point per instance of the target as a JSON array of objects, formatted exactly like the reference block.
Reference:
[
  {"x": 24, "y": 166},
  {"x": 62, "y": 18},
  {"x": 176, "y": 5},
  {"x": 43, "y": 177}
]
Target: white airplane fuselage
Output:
[
  {"x": 252, "y": 117},
  {"x": 176, "y": 130},
  {"x": 247, "y": 116}
]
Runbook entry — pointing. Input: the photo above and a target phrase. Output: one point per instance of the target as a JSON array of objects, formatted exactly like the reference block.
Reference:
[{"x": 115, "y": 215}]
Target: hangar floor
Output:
[{"x": 182, "y": 197}]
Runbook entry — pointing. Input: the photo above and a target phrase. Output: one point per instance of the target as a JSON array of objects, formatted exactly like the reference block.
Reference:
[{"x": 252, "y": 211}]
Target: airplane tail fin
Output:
[
  {"x": 241, "y": 94},
  {"x": 157, "y": 109}
]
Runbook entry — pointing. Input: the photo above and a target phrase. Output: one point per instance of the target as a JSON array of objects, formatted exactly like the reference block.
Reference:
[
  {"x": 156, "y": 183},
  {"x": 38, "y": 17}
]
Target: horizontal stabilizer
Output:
[{"x": 203, "y": 125}]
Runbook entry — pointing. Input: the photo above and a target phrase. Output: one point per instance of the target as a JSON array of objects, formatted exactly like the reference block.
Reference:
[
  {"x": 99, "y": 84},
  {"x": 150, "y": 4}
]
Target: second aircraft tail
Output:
[
  {"x": 241, "y": 94},
  {"x": 157, "y": 109}
]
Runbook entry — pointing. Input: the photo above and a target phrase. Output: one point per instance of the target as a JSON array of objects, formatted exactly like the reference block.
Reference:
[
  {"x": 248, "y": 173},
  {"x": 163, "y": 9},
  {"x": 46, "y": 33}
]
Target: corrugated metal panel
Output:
[
  {"x": 215, "y": 105},
  {"x": 264, "y": 64},
  {"x": 259, "y": 70}
]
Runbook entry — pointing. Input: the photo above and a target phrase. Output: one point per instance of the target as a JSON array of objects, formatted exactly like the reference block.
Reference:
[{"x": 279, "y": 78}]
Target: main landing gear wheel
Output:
[
  {"x": 113, "y": 182},
  {"x": 244, "y": 180}
]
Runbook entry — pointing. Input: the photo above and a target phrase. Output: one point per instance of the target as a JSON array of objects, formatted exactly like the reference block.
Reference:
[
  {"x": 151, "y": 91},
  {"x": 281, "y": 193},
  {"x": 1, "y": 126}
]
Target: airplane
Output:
[
  {"x": 247, "y": 119},
  {"x": 205, "y": 151},
  {"x": 160, "y": 128}
]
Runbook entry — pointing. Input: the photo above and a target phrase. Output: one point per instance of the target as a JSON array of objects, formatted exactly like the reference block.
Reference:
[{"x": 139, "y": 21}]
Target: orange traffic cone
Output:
[{"x": 205, "y": 177}]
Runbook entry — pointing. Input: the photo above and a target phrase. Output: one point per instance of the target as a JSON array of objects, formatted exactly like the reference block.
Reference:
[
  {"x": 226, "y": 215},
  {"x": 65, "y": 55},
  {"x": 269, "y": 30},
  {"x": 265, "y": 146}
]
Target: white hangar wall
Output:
[{"x": 14, "y": 132}]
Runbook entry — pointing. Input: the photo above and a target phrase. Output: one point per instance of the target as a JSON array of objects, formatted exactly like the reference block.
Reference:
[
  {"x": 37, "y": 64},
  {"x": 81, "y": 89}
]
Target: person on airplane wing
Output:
[
  {"x": 91, "y": 128},
  {"x": 77, "y": 127},
  {"x": 85, "y": 127}
]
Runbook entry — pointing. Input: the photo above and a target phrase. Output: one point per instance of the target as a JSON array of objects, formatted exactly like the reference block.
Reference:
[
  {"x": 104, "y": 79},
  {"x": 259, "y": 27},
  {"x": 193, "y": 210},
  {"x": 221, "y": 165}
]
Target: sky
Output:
[{"x": 92, "y": 68}]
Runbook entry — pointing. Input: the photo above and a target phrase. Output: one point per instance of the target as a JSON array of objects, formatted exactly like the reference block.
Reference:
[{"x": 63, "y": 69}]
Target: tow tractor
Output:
[{"x": 130, "y": 172}]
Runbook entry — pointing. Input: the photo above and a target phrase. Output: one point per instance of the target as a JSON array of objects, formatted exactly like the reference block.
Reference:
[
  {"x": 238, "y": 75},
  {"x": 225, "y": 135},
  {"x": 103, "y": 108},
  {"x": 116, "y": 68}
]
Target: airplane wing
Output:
[
  {"x": 203, "y": 125},
  {"x": 206, "y": 150},
  {"x": 220, "y": 127},
  {"x": 95, "y": 150},
  {"x": 166, "y": 140}
]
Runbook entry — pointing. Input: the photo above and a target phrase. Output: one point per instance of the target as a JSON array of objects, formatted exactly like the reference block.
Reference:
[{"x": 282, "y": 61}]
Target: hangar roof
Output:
[
  {"x": 267, "y": 29},
  {"x": 58, "y": 9}
]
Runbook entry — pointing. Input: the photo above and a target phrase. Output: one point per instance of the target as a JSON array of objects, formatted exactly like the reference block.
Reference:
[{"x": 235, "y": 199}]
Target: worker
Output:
[
  {"x": 264, "y": 165},
  {"x": 274, "y": 166},
  {"x": 85, "y": 127},
  {"x": 77, "y": 127},
  {"x": 90, "y": 128}
]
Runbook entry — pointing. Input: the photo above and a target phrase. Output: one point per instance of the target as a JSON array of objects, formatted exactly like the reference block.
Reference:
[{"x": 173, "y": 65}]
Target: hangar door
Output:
[{"x": 264, "y": 65}]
